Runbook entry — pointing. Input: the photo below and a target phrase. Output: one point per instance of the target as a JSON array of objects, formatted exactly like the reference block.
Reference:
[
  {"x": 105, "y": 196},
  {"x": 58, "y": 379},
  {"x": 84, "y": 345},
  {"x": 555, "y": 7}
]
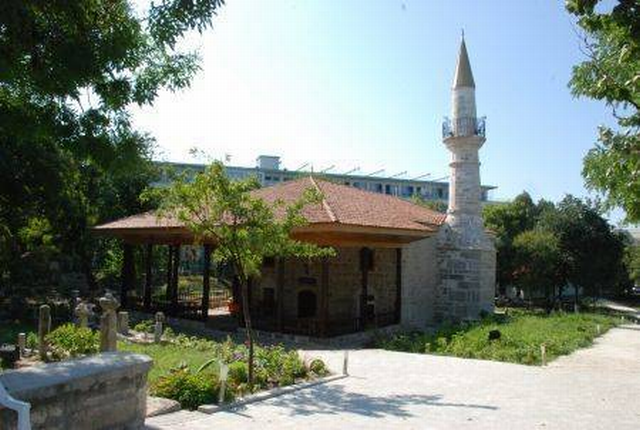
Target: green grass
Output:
[
  {"x": 167, "y": 356},
  {"x": 522, "y": 334}
]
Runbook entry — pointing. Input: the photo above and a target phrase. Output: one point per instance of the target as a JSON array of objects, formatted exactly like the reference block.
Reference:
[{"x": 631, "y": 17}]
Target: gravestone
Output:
[
  {"x": 108, "y": 322},
  {"x": 82, "y": 312},
  {"x": 123, "y": 323},
  {"x": 22, "y": 344}
]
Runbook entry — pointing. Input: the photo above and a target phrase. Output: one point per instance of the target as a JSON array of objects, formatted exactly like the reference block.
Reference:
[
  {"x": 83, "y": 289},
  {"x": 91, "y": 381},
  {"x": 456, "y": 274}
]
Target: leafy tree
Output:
[
  {"x": 245, "y": 229},
  {"x": 592, "y": 252},
  {"x": 538, "y": 258},
  {"x": 69, "y": 70},
  {"x": 611, "y": 73},
  {"x": 507, "y": 221},
  {"x": 632, "y": 261}
]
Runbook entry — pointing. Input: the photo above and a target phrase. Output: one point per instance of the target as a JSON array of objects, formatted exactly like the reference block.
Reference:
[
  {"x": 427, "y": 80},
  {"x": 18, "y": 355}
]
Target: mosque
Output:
[{"x": 396, "y": 263}]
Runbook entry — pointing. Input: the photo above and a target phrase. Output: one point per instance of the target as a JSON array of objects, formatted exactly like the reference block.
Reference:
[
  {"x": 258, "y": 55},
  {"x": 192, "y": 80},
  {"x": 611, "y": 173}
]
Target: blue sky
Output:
[{"x": 366, "y": 83}]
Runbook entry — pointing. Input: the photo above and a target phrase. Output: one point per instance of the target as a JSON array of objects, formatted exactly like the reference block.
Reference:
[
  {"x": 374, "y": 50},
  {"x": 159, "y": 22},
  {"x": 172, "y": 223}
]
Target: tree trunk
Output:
[{"x": 248, "y": 328}]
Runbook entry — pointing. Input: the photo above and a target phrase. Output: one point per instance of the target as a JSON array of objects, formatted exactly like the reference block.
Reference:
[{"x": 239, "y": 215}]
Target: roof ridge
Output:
[{"x": 325, "y": 203}]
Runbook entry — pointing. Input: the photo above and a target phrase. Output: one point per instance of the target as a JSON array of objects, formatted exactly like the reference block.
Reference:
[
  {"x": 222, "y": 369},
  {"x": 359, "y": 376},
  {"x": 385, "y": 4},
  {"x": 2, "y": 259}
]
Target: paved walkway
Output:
[{"x": 595, "y": 388}]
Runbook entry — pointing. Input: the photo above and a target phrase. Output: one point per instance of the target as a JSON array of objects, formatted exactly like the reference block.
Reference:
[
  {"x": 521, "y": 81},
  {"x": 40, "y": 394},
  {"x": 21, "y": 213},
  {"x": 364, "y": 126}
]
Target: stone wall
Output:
[
  {"x": 104, "y": 391},
  {"x": 345, "y": 280},
  {"x": 466, "y": 277},
  {"x": 418, "y": 283}
]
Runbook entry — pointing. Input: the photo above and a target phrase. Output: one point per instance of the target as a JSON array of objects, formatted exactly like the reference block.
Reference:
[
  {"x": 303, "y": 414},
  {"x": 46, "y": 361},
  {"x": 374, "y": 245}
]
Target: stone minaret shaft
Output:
[
  {"x": 466, "y": 253},
  {"x": 464, "y": 136}
]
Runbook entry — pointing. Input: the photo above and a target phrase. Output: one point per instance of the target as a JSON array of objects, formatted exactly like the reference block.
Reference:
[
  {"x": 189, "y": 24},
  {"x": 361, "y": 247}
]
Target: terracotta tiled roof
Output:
[
  {"x": 341, "y": 204},
  {"x": 350, "y": 206}
]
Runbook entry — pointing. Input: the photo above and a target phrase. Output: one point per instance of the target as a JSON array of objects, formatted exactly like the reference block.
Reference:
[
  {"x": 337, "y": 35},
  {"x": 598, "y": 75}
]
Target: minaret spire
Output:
[{"x": 463, "y": 76}]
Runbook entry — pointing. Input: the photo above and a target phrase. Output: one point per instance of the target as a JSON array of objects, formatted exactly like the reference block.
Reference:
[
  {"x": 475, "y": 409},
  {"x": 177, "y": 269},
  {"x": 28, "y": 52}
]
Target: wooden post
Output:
[
  {"x": 280, "y": 296},
  {"x": 167, "y": 294},
  {"x": 206, "y": 283},
  {"x": 148, "y": 282},
  {"x": 128, "y": 273},
  {"x": 324, "y": 297},
  {"x": 398, "y": 305},
  {"x": 176, "y": 272},
  {"x": 365, "y": 262},
  {"x": 44, "y": 327}
]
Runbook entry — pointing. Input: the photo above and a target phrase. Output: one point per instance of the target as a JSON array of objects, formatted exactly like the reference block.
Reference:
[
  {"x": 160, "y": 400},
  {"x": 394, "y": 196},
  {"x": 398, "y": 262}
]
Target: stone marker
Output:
[
  {"x": 44, "y": 327},
  {"x": 157, "y": 332},
  {"x": 108, "y": 322},
  {"x": 345, "y": 363},
  {"x": 159, "y": 327},
  {"x": 82, "y": 312},
  {"x": 123, "y": 323},
  {"x": 22, "y": 344},
  {"x": 224, "y": 373},
  {"x": 543, "y": 354}
]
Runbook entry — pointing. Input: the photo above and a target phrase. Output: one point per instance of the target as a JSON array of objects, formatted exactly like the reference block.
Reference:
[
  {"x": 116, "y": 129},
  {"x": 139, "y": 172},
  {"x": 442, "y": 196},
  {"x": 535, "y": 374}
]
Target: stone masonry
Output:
[
  {"x": 466, "y": 255},
  {"x": 344, "y": 283},
  {"x": 104, "y": 391}
]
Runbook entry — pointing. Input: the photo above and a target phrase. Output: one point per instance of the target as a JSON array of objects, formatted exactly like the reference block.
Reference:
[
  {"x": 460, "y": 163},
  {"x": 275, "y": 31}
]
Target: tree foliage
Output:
[
  {"x": 539, "y": 259},
  {"x": 543, "y": 247},
  {"x": 243, "y": 228},
  {"x": 611, "y": 73},
  {"x": 69, "y": 156}
]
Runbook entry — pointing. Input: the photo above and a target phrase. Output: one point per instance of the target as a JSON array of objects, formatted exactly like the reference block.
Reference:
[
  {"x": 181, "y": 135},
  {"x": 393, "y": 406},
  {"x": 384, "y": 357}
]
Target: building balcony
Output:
[{"x": 463, "y": 127}]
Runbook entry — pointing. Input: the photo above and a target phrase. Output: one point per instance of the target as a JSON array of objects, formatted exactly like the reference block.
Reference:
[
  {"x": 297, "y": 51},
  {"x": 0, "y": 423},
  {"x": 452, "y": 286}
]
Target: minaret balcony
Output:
[{"x": 458, "y": 127}]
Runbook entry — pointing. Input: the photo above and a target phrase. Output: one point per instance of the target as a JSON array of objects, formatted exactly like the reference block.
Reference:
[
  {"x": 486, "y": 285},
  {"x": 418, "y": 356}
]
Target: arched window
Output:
[{"x": 307, "y": 304}]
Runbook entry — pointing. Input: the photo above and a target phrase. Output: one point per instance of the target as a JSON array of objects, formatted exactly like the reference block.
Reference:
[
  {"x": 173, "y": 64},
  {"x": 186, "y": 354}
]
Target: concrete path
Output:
[{"x": 595, "y": 388}]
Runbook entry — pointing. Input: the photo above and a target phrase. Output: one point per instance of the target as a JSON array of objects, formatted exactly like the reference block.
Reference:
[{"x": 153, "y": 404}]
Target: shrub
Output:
[
  {"x": 238, "y": 372},
  {"x": 32, "y": 340},
  {"x": 145, "y": 326},
  {"x": 318, "y": 368},
  {"x": 189, "y": 389},
  {"x": 71, "y": 341}
]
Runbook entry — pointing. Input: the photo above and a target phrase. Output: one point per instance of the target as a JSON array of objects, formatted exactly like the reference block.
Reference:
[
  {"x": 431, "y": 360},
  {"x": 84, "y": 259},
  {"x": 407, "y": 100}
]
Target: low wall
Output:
[{"x": 103, "y": 391}]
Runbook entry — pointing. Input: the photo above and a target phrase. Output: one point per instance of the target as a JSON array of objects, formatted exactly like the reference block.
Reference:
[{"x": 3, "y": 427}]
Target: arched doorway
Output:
[{"x": 307, "y": 304}]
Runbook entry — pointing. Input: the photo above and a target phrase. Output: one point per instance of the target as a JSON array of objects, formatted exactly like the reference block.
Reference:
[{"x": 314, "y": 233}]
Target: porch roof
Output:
[{"x": 346, "y": 216}]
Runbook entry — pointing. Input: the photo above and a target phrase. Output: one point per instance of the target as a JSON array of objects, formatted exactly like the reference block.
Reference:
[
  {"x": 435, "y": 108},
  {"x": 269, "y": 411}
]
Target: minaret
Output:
[
  {"x": 466, "y": 253},
  {"x": 464, "y": 136}
]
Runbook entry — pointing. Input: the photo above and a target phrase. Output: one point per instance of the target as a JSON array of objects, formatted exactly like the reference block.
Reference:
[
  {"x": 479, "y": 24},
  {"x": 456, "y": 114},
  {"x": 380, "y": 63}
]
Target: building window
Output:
[
  {"x": 378, "y": 188},
  {"x": 307, "y": 304},
  {"x": 440, "y": 193}
]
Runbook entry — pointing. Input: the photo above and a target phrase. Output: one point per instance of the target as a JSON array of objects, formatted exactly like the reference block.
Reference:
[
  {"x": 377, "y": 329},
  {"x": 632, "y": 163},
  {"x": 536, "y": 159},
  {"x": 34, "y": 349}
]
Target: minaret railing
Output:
[{"x": 463, "y": 127}]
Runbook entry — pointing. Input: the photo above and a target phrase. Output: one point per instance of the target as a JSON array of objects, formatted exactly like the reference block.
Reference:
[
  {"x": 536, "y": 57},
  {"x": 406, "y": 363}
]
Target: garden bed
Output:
[
  {"x": 517, "y": 337},
  {"x": 186, "y": 368}
]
